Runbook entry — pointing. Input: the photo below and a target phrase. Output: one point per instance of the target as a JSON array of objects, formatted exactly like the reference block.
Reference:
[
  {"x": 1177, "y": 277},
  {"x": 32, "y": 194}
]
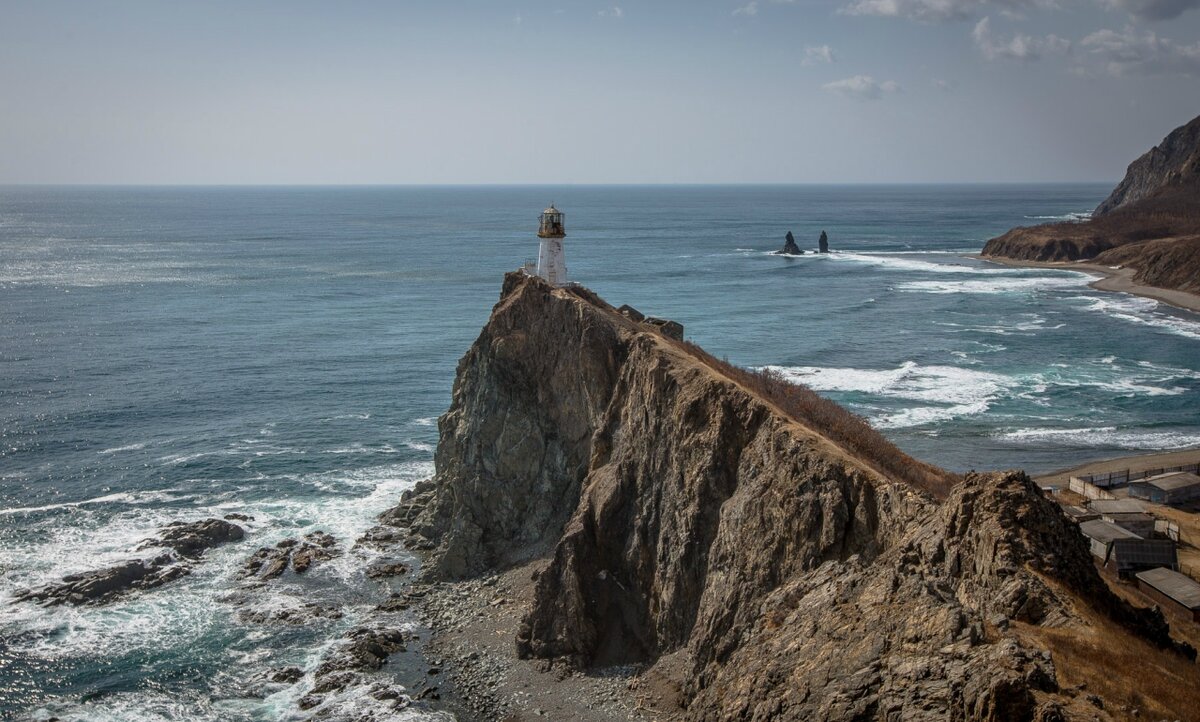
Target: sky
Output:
[{"x": 615, "y": 91}]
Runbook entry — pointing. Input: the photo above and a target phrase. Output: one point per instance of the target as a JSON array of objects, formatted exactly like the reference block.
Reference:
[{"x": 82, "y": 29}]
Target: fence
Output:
[
  {"x": 1167, "y": 528},
  {"x": 1121, "y": 478},
  {"x": 1087, "y": 489}
]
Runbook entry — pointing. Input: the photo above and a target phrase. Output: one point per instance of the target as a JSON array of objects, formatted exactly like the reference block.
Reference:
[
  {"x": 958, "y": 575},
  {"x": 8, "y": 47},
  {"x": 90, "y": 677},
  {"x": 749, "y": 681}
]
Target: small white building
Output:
[{"x": 552, "y": 261}]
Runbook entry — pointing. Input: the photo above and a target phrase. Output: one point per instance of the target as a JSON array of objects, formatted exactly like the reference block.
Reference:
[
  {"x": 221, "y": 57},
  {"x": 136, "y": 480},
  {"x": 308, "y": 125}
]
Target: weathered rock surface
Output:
[
  {"x": 187, "y": 542},
  {"x": 789, "y": 246},
  {"x": 684, "y": 511},
  {"x": 823, "y": 243},
  {"x": 298, "y": 554},
  {"x": 1174, "y": 161}
]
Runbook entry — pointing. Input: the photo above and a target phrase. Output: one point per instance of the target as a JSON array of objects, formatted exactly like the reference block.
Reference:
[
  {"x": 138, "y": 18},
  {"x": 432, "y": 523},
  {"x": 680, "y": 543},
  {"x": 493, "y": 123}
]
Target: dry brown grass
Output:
[
  {"x": 1120, "y": 667},
  {"x": 848, "y": 430}
]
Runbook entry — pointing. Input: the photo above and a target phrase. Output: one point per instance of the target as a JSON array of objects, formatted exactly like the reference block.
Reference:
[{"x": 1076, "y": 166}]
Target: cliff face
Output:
[
  {"x": 1152, "y": 217},
  {"x": 1175, "y": 161},
  {"x": 685, "y": 512}
]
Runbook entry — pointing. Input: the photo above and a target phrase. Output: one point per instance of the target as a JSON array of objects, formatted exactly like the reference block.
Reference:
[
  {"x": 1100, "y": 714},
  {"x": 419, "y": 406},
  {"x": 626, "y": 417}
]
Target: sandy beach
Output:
[
  {"x": 1136, "y": 462},
  {"x": 1110, "y": 279}
]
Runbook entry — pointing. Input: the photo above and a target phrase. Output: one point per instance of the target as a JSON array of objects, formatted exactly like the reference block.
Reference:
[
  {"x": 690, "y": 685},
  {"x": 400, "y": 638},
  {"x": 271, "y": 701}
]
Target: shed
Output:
[
  {"x": 1079, "y": 515},
  {"x": 1175, "y": 487},
  {"x": 1122, "y": 552},
  {"x": 1173, "y": 591},
  {"x": 631, "y": 313},
  {"x": 1129, "y": 556},
  {"x": 1138, "y": 523},
  {"x": 672, "y": 329},
  {"x": 1116, "y": 506},
  {"x": 1101, "y": 534}
]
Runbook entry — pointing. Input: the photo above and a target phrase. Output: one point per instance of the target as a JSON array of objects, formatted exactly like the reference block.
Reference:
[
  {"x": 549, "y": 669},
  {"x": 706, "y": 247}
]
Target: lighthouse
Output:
[{"x": 552, "y": 262}]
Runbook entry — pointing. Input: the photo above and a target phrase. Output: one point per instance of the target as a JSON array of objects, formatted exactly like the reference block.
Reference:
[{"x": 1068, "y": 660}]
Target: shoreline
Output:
[
  {"x": 1135, "y": 462},
  {"x": 1117, "y": 280}
]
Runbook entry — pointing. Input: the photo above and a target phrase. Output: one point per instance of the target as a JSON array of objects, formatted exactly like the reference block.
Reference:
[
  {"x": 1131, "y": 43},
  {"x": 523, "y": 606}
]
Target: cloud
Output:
[
  {"x": 861, "y": 86},
  {"x": 943, "y": 85},
  {"x": 947, "y": 10},
  {"x": 749, "y": 9},
  {"x": 1019, "y": 46},
  {"x": 1128, "y": 53},
  {"x": 1155, "y": 9},
  {"x": 612, "y": 12},
  {"x": 817, "y": 54}
]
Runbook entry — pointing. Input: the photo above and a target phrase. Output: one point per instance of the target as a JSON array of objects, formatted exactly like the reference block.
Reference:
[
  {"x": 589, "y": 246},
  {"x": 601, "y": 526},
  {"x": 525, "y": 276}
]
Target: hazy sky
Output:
[{"x": 697, "y": 91}]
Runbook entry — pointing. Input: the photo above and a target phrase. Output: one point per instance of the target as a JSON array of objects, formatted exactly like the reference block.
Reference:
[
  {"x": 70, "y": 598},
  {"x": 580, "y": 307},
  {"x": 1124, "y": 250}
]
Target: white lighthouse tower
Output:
[{"x": 552, "y": 262}]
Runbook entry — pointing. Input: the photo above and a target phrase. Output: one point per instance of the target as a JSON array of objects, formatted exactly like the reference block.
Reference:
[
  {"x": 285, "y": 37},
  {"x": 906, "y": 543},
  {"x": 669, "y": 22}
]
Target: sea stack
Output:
[
  {"x": 789, "y": 247},
  {"x": 823, "y": 243}
]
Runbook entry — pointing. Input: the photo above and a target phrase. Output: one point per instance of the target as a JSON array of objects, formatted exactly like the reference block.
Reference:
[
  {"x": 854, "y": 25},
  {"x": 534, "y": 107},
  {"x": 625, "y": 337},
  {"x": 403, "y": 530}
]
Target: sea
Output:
[{"x": 175, "y": 353}]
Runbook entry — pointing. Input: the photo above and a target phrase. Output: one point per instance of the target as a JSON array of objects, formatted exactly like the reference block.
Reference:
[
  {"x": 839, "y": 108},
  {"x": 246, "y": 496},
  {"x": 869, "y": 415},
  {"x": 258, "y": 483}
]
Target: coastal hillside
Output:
[
  {"x": 754, "y": 551},
  {"x": 1150, "y": 222}
]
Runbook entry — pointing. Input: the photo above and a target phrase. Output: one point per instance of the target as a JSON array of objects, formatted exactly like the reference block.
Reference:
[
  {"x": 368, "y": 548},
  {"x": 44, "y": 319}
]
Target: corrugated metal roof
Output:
[
  {"x": 1103, "y": 531},
  {"x": 1174, "y": 481},
  {"x": 1173, "y": 584},
  {"x": 1116, "y": 506}
]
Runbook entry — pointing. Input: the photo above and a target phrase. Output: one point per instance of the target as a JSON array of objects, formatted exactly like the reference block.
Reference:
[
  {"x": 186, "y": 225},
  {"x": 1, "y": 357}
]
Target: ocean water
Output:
[{"x": 175, "y": 353}]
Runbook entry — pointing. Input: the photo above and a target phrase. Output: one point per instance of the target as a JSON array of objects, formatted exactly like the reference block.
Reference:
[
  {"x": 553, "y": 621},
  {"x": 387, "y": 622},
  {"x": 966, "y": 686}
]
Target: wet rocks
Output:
[
  {"x": 306, "y": 613},
  {"x": 298, "y": 554},
  {"x": 187, "y": 542},
  {"x": 192, "y": 539},
  {"x": 384, "y": 568},
  {"x": 789, "y": 246},
  {"x": 364, "y": 649},
  {"x": 104, "y": 585},
  {"x": 823, "y": 243}
]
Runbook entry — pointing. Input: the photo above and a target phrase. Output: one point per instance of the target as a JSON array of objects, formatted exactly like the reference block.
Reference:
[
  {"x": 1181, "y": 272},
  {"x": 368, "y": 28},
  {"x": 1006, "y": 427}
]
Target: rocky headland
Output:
[
  {"x": 624, "y": 527},
  {"x": 1149, "y": 225}
]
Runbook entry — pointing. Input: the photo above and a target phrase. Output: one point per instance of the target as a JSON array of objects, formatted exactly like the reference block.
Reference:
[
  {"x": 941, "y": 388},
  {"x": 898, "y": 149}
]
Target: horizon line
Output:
[{"x": 549, "y": 184}]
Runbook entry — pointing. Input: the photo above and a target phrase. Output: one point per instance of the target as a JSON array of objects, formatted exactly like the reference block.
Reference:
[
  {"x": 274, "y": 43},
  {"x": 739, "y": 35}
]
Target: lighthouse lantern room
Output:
[{"x": 552, "y": 262}]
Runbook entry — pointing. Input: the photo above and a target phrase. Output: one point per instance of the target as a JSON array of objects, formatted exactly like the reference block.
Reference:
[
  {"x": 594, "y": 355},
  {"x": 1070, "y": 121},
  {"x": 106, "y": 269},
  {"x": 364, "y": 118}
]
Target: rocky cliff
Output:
[
  {"x": 799, "y": 565},
  {"x": 1150, "y": 222},
  {"x": 1173, "y": 162}
]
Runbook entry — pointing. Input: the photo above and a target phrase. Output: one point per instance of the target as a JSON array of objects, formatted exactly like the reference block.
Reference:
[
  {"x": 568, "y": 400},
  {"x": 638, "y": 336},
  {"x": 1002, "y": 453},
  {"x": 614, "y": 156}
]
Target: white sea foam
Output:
[
  {"x": 1008, "y": 284},
  {"x": 1075, "y": 216},
  {"x": 1104, "y": 436},
  {"x": 896, "y": 263},
  {"x": 141, "y": 497},
  {"x": 128, "y": 447},
  {"x": 946, "y": 392},
  {"x": 426, "y": 421},
  {"x": 1143, "y": 311}
]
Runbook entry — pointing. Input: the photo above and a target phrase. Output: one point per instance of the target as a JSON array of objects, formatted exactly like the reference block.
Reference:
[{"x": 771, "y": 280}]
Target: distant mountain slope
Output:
[
  {"x": 1174, "y": 162},
  {"x": 1150, "y": 222}
]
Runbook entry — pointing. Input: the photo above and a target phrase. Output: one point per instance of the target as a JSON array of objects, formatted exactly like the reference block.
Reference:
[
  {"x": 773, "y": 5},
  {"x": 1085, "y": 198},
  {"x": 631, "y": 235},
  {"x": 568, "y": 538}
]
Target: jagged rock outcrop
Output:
[
  {"x": 789, "y": 246},
  {"x": 187, "y": 542},
  {"x": 1175, "y": 161},
  {"x": 823, "y": 243},
  {"x": 298, "y": 554},
  {"x": 1150, "y": 222},
  {"x": 688, "y": 509}
]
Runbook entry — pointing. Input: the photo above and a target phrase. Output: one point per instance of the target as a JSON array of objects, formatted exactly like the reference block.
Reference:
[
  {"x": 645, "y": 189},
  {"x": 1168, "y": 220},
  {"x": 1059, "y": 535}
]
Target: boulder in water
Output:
[{"x": 823, "y": 243}]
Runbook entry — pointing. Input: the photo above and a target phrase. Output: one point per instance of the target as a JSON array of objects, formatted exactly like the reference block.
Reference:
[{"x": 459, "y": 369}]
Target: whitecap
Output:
[
  {"x": 1143, "y": 311},
  {"x": 948, "y": 392},
  {"x": 1104, "y": 436},
  {"x": 128, "y": 447},
  {"x": 1024, "y": 284}
]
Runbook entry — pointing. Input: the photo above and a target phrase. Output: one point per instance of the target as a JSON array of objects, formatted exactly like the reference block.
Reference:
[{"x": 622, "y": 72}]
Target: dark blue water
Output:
[{"x": 173, "y": 353}]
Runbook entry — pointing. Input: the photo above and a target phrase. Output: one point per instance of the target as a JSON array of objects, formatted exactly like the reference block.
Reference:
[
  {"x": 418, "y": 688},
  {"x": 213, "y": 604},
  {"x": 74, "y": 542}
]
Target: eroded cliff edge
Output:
[
  {"x": 1150, "y": 222},
  {"x": 784, "y": 559}
]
